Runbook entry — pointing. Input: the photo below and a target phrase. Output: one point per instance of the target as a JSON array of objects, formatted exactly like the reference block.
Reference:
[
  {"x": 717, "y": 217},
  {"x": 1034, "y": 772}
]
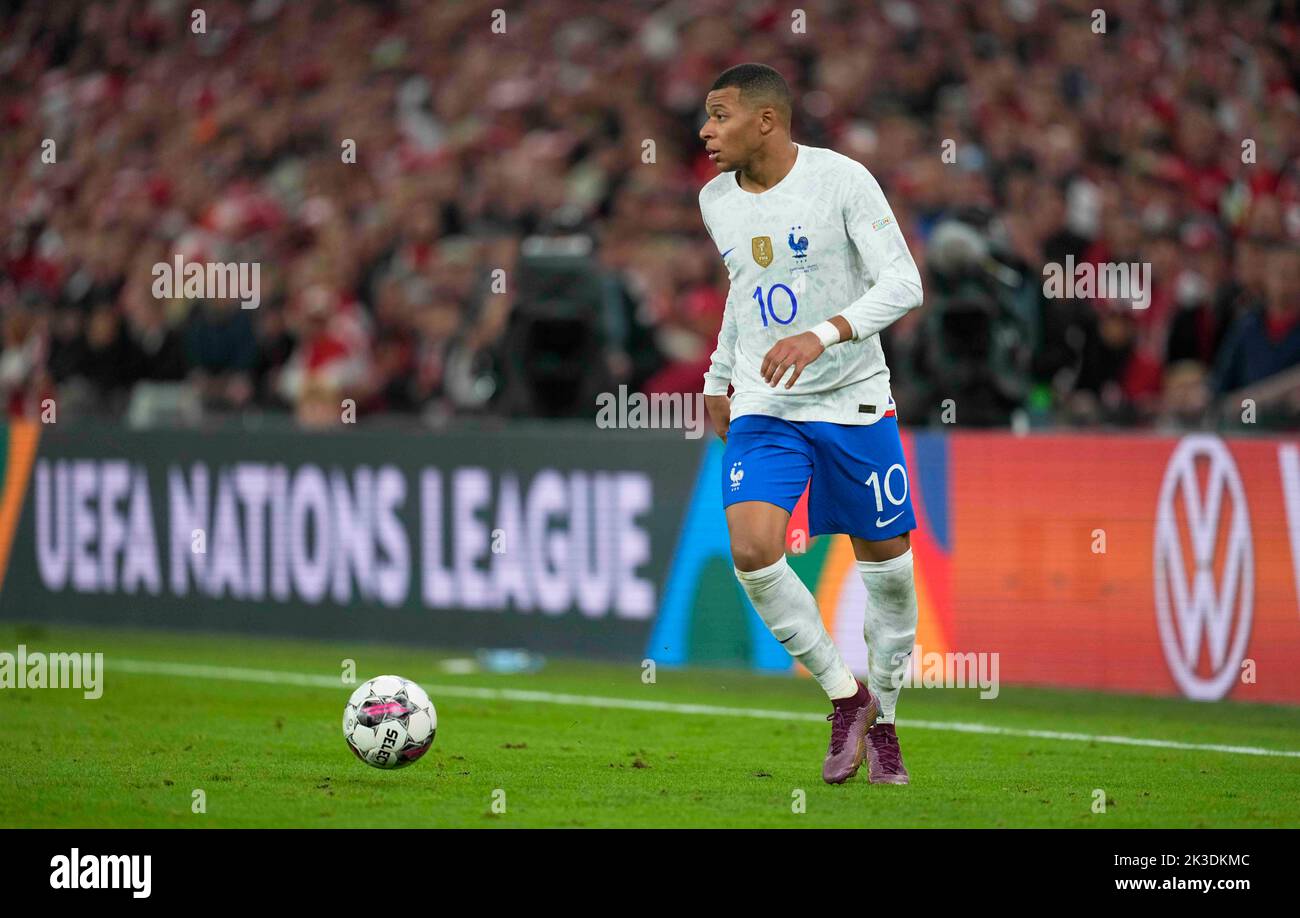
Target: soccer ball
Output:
[{"x": 389, "y": 722}]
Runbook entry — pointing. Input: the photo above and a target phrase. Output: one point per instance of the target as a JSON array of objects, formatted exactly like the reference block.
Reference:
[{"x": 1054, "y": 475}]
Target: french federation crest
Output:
[
  {"x": 761, "y": 246},
  {"x": 798, "y": 246}
]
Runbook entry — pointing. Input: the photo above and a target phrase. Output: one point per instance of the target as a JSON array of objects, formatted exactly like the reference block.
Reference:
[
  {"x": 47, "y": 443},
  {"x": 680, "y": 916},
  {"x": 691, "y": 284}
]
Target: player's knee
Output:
[
  {"x": 885, "y": 550},
  {"x": 754, "y": 554}
]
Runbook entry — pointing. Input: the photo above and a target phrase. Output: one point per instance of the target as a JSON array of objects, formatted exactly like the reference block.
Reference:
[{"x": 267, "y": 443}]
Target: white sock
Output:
[
  {"x": 790, "y": 613},
  {"x": 889, "y": 626}
]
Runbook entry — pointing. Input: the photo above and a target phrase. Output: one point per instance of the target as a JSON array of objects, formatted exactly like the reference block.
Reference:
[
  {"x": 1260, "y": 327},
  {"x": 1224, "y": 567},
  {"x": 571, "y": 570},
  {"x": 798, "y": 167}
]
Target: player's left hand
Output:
[{"x": 796, "y": 351}]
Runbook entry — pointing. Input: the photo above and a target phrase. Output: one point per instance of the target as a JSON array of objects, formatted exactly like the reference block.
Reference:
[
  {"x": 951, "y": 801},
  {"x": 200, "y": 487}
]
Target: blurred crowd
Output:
[{"x": 387, "y": 162}]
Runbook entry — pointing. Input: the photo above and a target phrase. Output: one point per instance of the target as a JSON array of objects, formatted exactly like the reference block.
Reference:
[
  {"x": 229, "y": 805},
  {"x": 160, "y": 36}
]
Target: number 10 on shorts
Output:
[{"x": 874, "y": 484}]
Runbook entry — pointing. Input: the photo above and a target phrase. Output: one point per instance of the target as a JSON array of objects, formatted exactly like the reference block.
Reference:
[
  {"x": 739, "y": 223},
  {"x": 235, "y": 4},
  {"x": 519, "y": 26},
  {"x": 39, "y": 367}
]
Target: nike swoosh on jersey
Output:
[
  {"x": 729, "y": 251},
  {"x": 880, "y": 525}
]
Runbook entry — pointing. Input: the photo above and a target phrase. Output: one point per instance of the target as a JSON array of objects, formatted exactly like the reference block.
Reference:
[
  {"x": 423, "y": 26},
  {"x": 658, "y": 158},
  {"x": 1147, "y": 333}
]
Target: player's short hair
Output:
[{"x": 759, "y": 85}]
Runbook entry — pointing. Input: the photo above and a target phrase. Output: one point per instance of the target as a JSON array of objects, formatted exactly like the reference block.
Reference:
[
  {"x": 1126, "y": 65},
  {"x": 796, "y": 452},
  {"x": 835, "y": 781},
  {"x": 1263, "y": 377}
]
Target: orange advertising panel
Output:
[{"x": 1144, "y": 564}]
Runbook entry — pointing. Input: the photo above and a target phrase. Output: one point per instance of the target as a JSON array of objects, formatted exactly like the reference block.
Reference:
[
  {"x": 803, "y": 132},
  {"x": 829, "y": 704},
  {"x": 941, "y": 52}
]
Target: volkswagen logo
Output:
[{"x": 1204, "y": 568}]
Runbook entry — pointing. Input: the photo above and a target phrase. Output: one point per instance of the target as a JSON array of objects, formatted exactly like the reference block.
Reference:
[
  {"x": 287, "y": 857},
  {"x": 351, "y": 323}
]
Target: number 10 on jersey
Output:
[{"x": 768, "y": 306}]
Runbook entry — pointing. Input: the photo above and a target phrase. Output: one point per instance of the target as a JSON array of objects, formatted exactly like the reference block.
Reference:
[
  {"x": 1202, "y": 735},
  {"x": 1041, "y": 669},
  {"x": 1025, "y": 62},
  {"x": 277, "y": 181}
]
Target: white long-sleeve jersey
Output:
[{"x": 819, "y": 243}]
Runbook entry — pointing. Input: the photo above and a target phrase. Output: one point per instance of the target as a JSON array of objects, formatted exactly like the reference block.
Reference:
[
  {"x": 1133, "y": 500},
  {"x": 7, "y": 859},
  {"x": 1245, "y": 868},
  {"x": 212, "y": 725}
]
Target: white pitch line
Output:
[{"x": 276, "y": 677}]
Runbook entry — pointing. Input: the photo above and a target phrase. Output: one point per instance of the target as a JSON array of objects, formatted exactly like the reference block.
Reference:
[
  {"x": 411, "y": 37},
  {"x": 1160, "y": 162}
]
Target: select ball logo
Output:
[{"x": 389, "y": 722}]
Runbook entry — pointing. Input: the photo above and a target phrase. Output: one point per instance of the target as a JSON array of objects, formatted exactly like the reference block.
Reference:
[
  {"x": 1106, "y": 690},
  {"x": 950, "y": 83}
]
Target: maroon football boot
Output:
[
  {"x": 884, "y": 757},
  {"x": 850, "y": 720}
]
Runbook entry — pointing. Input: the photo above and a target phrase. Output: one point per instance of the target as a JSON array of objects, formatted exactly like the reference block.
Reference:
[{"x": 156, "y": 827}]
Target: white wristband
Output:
[{"x": 827, "y": 333}]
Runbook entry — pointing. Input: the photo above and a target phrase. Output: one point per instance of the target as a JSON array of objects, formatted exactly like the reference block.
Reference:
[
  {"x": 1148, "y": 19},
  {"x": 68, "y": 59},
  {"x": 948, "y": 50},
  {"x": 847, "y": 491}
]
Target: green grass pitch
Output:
[{"x": 269, "y": 754}]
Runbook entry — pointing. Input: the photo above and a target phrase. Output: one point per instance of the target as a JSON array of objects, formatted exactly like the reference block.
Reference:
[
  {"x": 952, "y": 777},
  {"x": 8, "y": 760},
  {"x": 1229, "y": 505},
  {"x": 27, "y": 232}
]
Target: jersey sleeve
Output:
[
  {"x": 870, "y": 223},
  {"x": 718, "y": 377}
]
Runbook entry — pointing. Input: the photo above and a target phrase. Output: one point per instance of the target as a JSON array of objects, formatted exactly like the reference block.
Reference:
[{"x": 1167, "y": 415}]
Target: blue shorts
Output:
[{"x": 858, "y": 472}]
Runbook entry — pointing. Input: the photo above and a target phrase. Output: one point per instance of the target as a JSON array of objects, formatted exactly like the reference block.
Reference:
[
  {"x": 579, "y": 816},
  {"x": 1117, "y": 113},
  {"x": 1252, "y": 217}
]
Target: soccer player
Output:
[{"x": 817, "y": 267}]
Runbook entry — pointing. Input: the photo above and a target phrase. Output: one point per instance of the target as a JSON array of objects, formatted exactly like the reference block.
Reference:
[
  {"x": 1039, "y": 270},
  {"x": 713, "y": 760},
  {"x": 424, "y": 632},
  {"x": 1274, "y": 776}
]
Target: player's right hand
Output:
[{"x": 719, "y": 407}]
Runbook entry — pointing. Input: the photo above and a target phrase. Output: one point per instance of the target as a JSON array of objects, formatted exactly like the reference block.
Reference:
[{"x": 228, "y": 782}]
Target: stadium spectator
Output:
[
  {"x": 1265, "y": 341},
  {"x": 361, "y": 145},
  {"x": 221, "y": 352}
]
